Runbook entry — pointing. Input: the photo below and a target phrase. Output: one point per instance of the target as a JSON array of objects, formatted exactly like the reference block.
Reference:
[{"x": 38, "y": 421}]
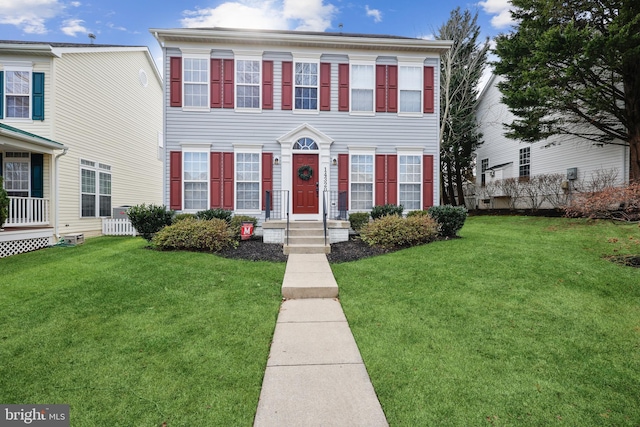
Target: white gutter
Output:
[{"x": 57, "y": 185}]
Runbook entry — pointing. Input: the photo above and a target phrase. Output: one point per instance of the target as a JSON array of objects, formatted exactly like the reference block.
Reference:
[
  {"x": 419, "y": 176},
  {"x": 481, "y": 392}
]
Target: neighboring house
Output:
[
  {"x": 249, "y": 114},
  {"x": 80, "y": 134},
  {"x": 567, "y": 163}
]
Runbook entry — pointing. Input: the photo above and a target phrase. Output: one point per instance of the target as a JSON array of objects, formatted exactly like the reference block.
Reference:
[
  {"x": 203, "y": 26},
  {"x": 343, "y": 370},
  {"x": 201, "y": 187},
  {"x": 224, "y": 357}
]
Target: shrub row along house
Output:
[
  {"x": 80, "y": 127},
  {"x": 544, "y": 174},
  {"x": 270, "y": 123}
]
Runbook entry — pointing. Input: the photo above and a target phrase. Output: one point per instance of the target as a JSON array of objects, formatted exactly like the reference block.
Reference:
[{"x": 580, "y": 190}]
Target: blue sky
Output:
[{"x": 126, "y": 22}]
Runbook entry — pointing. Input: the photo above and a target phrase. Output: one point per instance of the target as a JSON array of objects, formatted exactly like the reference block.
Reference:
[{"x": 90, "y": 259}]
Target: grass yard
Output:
[
  {"x": 521, "y": 322},
  {"x": 129, "y": 336}
]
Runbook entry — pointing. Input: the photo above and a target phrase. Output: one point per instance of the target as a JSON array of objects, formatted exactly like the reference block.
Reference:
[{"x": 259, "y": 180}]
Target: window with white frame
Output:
[
  {"x": 410, "y": 181},
  {"x": 524, "y": 170},
  {"x": 306, "y": 86},
  {"x": 362, "y": 88},
  {"x": 247, "y": 83},
  {"x": 361, "y": 181},
  {"x": 95, "y": 189},
  {"x": 17, "y": 92},
  {"x": 196, "y": 82},
  {"x": 196, "y": 180},
  {"x": 16, "y": 174},
  {"x": 410, "y": 87},
  {"x": 484, "y": 165},
  {"x": 247, "y": 181}
]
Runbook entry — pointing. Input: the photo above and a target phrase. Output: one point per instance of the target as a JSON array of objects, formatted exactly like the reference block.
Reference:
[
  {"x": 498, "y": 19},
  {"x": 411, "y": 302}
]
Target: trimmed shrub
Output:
[
  {"x": 417, "y": 213},
  {"x": 215, "y": 213},
  {"x": 450, "y": 219},
  {"x": 237, "y": 220},
  {"x": 191, "y": 234},
  {"x": 149, "y": 219},
  {"x": 4, "y": 204},
  {"x": 358, "y": 220},
  {"x": 384, "y": 210},
  {"x": 392, "y": 231},
  {"x": 181, "y": 216}
]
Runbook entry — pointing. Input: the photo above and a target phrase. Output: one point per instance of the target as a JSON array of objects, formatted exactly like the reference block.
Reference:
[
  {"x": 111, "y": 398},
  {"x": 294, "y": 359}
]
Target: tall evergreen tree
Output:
[
  {"x": 573, "y": 67},
  {"x": 460, "y": 71}
]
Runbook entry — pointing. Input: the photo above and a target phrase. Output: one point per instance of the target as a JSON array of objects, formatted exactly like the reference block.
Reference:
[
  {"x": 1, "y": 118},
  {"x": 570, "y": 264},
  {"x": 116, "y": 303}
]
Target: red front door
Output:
[{"x": 305, "y": 192}]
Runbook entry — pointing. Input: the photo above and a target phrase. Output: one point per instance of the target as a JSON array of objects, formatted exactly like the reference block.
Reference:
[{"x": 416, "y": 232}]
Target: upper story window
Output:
[
  {"x": 410, "y": 86},
  {"x": 525, "y": 163},
  {"x": 362, "y": 87},
  {"x": 17, "y": 89},
  {"x": 248, "y": 83},
  {"x": 306, "y": 86},
  {"x": 305, "y": 144},
  {"x": 484, "y": 165},
  {"x": 196, "y": 82}
]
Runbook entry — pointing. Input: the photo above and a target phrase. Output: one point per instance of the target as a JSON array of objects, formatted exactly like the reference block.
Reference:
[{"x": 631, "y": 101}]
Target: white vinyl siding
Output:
[
  {"x": 247, "y": 181},
  {"x": 410, "y": 181},
  {"x": 362, "y": 88},
  {"x": 361, "y": 181},
  {"x": 196, "y": 180}
]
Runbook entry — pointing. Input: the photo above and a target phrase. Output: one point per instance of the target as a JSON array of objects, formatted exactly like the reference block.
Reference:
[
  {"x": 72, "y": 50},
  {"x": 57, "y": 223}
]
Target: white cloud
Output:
[
  {"x": 115, "y": 27},
  {"x": 75, "y": 3},
  {"x": 72, "y": 27},
  {"x": 29, "y": 15},
  {"x": 501, "y": 9},
  {"x": 374, "y": 13},
  {"x": 310, "y": 15}
]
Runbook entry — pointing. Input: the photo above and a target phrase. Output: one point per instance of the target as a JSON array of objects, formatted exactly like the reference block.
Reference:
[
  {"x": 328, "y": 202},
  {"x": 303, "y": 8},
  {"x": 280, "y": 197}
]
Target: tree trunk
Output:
[
  {"x": 459, "y": 185},
  {"x": 444, "y": 197},
  {"x": 631, "y": 81},
  {"x": 450, "y": 190}
]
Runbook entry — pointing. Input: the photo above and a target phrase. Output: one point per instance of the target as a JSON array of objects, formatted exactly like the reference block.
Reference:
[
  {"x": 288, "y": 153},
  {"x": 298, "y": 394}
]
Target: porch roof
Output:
[{"x": 21, "y": 135}]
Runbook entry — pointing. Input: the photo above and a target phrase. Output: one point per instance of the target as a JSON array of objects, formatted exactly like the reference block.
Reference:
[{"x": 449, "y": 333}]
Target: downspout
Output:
[{"x": 57, "y": 207}]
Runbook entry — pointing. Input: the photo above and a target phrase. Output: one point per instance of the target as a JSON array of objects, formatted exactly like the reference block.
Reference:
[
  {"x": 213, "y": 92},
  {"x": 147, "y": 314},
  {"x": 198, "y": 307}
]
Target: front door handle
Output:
[{"x": 317, "y": 191}]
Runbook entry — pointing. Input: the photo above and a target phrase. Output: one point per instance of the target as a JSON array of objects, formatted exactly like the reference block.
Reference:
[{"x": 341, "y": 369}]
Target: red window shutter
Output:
[
  {"x": 343, "y": 87},
  {"x": 381, "y": 89},
  {"x": 267, "y": 176},
  {"x": 381, "y": 173},
  {"x": 228, "y": 94},
  {"x": 175, "y": 180},
  {"x": 427, "y": 181},
  {"x": 343, "y": 174},
  {"x": 287, "y": 82},
  {"x": 175, "y": 81},
  {"x": 392, "y": 179},
  {"x": 216, "y": 83},
  {"x": 267, "y": 85},
  {"x": 215, "y": 173},
  {"x": 392, "y": 89},
  {"x": 325, "y": 86},
  {"x": 227, "y": 181},
  {"x": 429, "y": 93}
]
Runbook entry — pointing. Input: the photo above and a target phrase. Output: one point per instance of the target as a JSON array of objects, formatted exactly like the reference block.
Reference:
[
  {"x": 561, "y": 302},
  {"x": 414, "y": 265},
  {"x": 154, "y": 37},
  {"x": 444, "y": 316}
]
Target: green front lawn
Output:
[
  {"x": 521, "y": 322},
  {"x": 129, "y": 336}
]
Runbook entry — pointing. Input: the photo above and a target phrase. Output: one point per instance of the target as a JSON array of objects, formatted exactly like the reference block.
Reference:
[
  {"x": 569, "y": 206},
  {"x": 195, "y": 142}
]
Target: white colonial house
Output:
[
  {"x": 564, "y": 163},
  {"x": 80, "y": 134},
  {"x": 299, "y": 125}
]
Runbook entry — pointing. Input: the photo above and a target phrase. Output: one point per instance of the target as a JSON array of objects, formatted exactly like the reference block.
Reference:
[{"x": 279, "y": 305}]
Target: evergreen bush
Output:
[
  {"x": 191, "y": 234},
  {"x": 215, "y": 213},
  {"x": 449, "y": 218},
  {"x": 358, "y": 220},
  {"x": 384, "y": 210},
  {"x": 392, "y": 231},
  {"x": 149, "y": 219},
  {"x": 237, "y": 220}
]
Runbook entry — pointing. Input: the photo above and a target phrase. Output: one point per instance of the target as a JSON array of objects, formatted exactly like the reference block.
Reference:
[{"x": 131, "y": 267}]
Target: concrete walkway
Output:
[{"x": 315, "y": 375}]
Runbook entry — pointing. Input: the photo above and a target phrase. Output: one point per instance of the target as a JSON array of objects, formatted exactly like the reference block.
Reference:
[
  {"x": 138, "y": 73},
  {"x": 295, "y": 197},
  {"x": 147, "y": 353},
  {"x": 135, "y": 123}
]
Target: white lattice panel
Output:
[{"x": 14, "y": 247}]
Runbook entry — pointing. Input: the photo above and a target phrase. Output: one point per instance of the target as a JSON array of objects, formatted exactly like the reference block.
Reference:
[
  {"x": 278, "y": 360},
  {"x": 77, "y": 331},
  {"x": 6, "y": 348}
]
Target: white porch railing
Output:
[
  {"x": 27, "y": 211},
  {"x": 118, "y": 227}
]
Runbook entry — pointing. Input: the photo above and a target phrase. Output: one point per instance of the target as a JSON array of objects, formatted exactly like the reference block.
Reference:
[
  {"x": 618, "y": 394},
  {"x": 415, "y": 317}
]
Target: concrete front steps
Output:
[{"x": 306, "y": 237}]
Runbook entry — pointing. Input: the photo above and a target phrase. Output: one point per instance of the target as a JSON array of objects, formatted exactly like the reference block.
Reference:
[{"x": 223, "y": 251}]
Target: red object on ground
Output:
[{"x": 246, "y": 230}]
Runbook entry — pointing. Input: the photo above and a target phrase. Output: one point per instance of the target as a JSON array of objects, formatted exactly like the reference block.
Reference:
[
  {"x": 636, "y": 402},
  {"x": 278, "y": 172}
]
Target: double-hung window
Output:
[
  {"x": 410, "y": 88},
  {"x": 361, "y": 181},
  {"x": 525, "y": 163},
  {"x": 362, "y": 88},
  {"x": 484, "y": 165},
  {"x": 16, "y": 174},
  {"x": 17, "y": 92},
  {"x": 95, "y": 189},
  {"x": 306, "y": 86},
  {"x": 196, "y": 82},
  {"x": 410, "y": 180},
  {"x": 247, "y": 181},
  {"x": 248, "y": 83},
  {"x": 196, "y": 180}
]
